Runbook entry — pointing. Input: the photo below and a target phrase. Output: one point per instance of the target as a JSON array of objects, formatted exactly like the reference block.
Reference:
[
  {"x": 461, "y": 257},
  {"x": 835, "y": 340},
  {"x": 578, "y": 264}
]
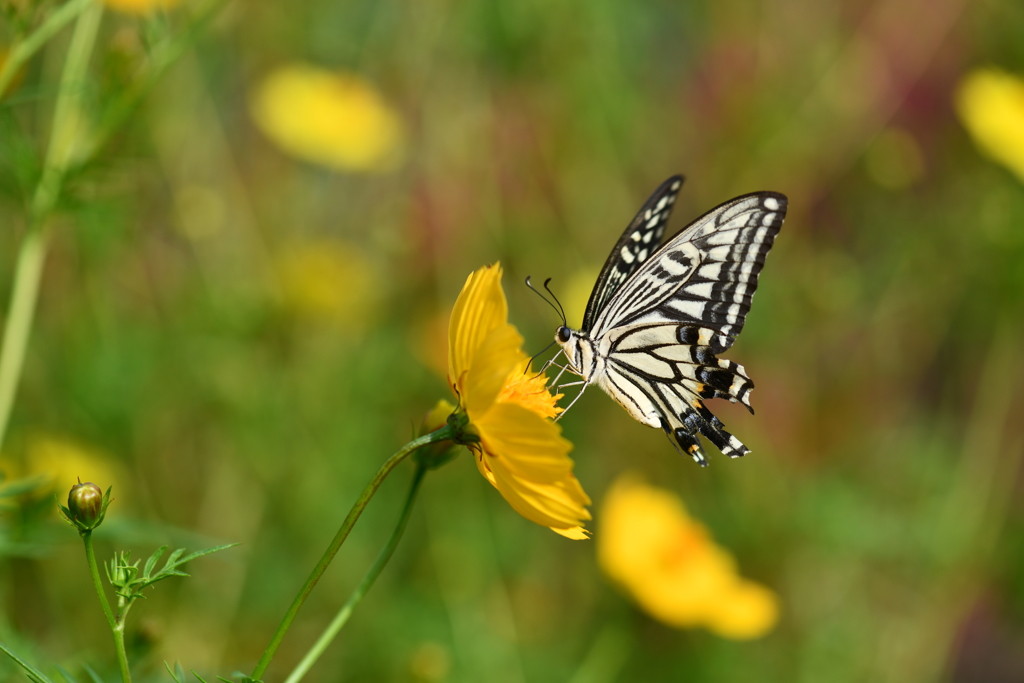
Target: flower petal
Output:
[
  {"x": 494, "y": 360},
  {"x": 748, "y": 611},
  {"x": 480, "y": 308},
  {"x": 991, "y": 105},
  {"x": 526, "y": 459}
]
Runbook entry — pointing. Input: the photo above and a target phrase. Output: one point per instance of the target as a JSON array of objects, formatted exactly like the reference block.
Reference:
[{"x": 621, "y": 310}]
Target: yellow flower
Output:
[
  {"x": 336, "y": 120},
  {"x": 140, "y": 6},
  {"x": 519, "y": 451},
  {"x": 673, "y": 568},
  {"x": 990, "y": 103},
  {"x": 64, "y": 462}
]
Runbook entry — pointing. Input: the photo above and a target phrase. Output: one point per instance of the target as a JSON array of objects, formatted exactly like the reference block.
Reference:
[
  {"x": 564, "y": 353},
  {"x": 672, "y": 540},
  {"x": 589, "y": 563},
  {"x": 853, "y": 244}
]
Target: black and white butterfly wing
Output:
[
  {"x": 705, "y": 275},
  {"x": 659, "y": 331},
  {"x": 638, "y": 243}
]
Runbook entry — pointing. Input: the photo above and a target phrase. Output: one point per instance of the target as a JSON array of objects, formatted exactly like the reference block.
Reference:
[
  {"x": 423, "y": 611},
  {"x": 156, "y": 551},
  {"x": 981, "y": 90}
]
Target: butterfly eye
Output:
[{"x": 563, "y": 334}]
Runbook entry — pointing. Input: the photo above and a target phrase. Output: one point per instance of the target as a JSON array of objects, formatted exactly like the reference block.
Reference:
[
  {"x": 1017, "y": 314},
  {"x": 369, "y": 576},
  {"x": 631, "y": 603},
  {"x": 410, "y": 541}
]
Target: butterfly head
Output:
[{"x": 577, "y": 349}]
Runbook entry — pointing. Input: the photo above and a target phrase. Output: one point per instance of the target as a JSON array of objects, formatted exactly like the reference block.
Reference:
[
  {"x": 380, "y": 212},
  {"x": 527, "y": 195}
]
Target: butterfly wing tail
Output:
[
  {"x": 683, "y": 431},
  {"x": 724, "y": 379}
]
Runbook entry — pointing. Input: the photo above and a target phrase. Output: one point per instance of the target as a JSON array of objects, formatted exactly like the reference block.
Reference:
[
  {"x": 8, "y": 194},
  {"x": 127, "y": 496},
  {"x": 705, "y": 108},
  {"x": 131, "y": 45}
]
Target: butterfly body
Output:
[{"x": 658, "y": 315}]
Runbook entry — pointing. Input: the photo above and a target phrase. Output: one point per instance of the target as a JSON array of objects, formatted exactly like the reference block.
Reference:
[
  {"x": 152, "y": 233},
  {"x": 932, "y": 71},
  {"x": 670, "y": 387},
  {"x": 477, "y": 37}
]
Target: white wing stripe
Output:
[
  {"x": 694, "y": 309},
  {"x": 701, "y": 289}
]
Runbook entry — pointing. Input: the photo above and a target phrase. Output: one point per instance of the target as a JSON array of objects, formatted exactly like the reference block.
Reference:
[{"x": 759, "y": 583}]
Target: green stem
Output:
[
  {"x": 346, "y": 610},
  {"x": 27, "y": 274},
  {"x": 443, "y": 434},
  {"x": 116, "y": 625},
  {"x": 24, "y": 49},
  {"x": 164, "y": 54},
  {"x": 32, "y": 252}
]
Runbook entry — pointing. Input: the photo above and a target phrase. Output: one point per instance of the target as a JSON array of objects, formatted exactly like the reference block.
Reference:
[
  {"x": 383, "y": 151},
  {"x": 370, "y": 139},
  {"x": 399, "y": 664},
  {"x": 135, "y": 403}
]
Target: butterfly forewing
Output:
[
  {"x": 706, "y": 275},
  {"x": 637, "y": 244}
]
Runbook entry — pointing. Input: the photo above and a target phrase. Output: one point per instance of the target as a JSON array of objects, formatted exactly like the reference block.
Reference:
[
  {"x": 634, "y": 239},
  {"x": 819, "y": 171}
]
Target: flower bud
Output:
[{"x": 86, "y": 504}]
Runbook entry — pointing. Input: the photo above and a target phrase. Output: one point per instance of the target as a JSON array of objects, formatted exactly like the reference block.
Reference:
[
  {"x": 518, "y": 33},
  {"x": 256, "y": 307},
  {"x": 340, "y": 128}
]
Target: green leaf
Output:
[
  {"x": 92, "y": 674},
  {"x": 129, "y": 584},
  {"x": 33, "y": 673},
  {"x": 176, "y": 674},
  {"x": 66, "y": 674},
  {"x": 151, "y": 562}
]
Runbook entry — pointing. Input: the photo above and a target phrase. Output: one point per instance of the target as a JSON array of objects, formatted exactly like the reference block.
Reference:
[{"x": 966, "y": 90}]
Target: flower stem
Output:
[
  {"x": 27, "y": 274},
  {"x": 116, "y": 625},
  {"x": 64, "y": 137},
  {"x": 24, "y": 49},
  {"x": 443, "y": 434},
  {"x": 345, "y": 612}
]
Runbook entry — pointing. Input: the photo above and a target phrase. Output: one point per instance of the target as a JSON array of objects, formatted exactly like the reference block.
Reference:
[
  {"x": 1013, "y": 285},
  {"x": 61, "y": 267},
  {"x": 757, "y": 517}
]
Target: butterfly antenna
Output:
[
  {"x": 557, "y": 310},
  {"x": 560, "y": 309}
]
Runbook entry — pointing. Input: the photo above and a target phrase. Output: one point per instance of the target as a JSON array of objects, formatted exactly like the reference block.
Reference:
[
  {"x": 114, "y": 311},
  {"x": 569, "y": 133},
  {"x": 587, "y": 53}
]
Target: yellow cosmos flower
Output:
[
  {"x": 140, "y": 6},
  {"x": 336, "y": 120},
  {"x": 990, "y": 103},
  {"x": 673, "y": 569},
  {"x": 520, "y": 451}
]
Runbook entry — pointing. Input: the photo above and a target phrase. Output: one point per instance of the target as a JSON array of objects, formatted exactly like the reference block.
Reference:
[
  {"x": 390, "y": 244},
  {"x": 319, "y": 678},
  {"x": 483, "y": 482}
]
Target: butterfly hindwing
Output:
[{"x": 637, "y": 244}]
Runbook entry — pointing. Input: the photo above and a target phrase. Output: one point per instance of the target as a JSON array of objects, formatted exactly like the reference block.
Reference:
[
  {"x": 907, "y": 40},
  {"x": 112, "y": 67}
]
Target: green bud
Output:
[{"x": 87, "y": 505}]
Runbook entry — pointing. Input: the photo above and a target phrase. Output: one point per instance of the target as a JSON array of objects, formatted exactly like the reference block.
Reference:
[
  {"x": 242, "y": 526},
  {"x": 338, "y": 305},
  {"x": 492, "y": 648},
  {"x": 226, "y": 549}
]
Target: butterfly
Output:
[{"x": 657, "y": 317}]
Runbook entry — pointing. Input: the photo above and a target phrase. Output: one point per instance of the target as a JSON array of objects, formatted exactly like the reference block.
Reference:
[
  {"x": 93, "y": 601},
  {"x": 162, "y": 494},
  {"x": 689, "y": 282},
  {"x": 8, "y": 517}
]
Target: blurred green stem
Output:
[
  {"x": 116, "y": 624},
  {"x": 64, "y": 139},
  {"x": 346, "y": 610},
  {"x": 24, "y": 49},
  {"x": 164, "y": 54},
  {"x": 443, "y": 434}
]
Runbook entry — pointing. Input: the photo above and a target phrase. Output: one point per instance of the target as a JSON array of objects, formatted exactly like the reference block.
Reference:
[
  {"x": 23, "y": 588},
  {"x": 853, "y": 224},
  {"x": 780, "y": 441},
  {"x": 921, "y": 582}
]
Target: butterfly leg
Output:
[
  {"x": 562, "y": 370},
  {"x": 573, "y": 402}
]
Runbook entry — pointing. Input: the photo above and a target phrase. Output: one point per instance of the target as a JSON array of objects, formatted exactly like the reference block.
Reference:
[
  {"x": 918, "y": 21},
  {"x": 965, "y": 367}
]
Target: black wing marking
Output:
[
  {"x": 679, "y": 355},
  {"x": 662, "y": 373},
  {"x": 705, "y": 275},
  {"x": 637, "y": 244}
]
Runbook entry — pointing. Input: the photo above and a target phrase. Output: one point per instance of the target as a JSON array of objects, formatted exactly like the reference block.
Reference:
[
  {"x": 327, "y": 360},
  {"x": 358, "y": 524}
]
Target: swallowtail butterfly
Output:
[{"x": 657, "y": 316}]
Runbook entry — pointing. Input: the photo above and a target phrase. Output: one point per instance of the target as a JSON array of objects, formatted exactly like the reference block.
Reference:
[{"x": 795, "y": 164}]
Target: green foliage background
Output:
[{"x": 882, "y": 499}]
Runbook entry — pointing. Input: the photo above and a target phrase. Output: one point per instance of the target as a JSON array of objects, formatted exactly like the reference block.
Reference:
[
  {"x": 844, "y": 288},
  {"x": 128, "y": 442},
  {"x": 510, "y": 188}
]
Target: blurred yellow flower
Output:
[
  {"x": 327, "y": 280},
  {"x": 520, "y": 451},
  {"x": 334, "y": 119},
  {"x": 140, "y": 6},
  {"x": 64, "y": 462},
  {"x": 672, "y": 567},
  {"x": 990, "y": 103}
]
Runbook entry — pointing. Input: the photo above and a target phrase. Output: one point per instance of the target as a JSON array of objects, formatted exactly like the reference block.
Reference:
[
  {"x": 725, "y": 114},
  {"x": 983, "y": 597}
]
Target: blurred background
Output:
[{"x": 244, "y": 308}]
